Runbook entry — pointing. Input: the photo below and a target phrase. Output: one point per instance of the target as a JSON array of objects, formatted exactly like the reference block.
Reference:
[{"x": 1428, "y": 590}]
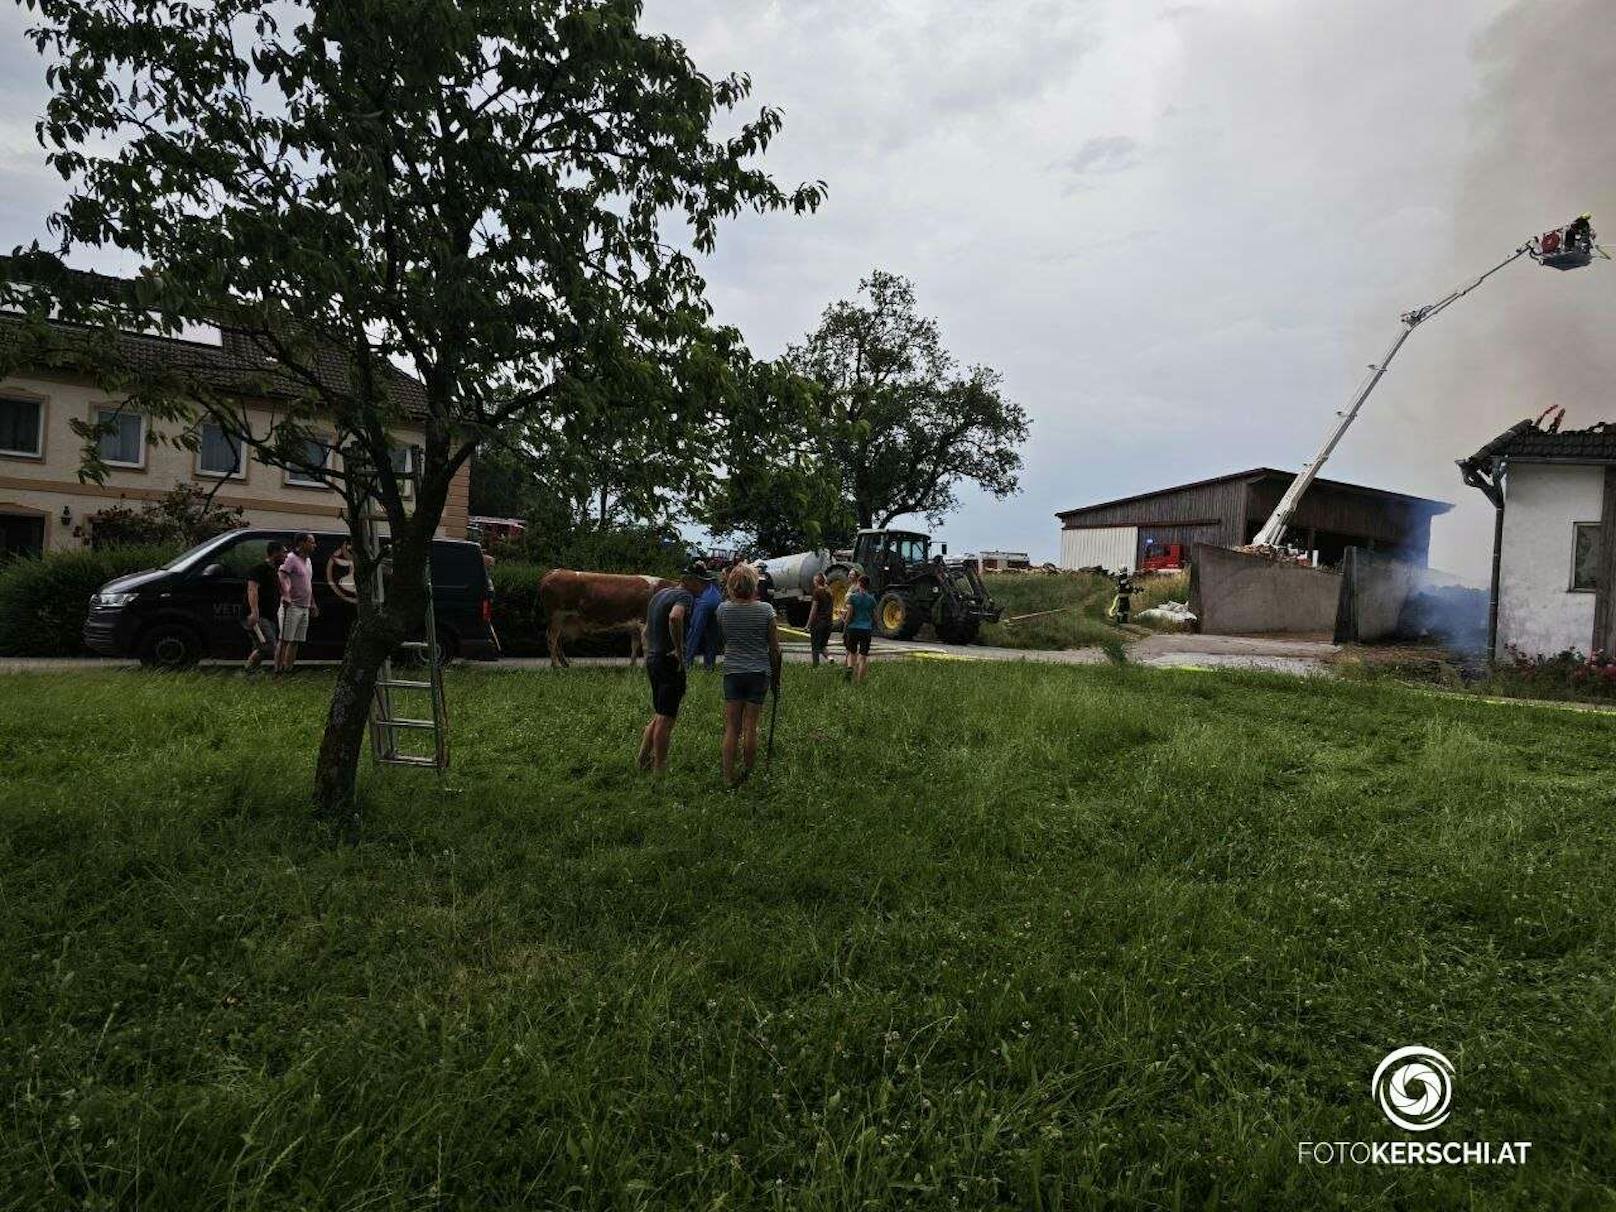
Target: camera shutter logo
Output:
[{"x": 1414, "y": 1087}]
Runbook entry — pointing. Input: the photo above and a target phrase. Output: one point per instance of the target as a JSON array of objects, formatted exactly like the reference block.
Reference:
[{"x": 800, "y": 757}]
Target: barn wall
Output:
[
  {"x": 1403, "y": 526},
  {"x": 1109, "y": 547},
  {"x": 1220, "y": 506}
]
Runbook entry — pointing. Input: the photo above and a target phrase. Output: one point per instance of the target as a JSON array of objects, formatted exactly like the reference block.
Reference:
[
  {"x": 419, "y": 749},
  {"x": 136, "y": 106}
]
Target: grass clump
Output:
[{"x": 1083, "y": 937}]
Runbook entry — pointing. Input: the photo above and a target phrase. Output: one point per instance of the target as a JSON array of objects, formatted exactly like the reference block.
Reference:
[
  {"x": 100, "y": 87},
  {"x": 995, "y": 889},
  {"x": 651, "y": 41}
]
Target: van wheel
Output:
[
  {"x": 448, "y": 647},
  {"x": 170, "y": 646}
]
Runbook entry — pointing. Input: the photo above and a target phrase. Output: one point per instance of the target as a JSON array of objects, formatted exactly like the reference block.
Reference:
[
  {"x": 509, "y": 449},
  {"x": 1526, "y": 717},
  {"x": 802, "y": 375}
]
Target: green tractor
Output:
[{"x": 912, "y": 587}]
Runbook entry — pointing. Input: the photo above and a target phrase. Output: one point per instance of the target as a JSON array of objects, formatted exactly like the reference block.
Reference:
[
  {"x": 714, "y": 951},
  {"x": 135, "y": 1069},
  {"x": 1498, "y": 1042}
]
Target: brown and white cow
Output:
[{"x": 593, "y": 603}]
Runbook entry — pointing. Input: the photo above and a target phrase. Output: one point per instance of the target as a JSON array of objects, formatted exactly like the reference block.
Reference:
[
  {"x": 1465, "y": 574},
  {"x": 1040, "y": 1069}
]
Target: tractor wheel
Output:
[
  {"x": 958, "y": 631},
  {"x": 892, "y": 616},
  {"x": 839, "y": 581}
]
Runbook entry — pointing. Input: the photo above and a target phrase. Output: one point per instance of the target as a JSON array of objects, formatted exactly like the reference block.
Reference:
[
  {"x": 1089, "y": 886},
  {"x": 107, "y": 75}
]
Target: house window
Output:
[
  {"x": 1585, "y": 558},
  {"x": 219, "y": 453},
  {"x": 315, "y": 455},
  {"x": 403, "y": 465},
  {"x": 22, "y": 428},
  {"x": 123, "y": 442}
]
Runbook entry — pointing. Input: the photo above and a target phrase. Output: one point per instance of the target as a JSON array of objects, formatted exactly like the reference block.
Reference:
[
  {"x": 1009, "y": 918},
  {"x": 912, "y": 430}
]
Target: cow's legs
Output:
[
  {"x": 558, "y": 659},
  {"x": 636, "y": 644}
]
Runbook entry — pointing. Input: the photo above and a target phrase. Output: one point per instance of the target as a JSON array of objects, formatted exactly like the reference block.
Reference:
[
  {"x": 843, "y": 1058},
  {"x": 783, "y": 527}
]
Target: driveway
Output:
[{"x": 1281, "y": 654}]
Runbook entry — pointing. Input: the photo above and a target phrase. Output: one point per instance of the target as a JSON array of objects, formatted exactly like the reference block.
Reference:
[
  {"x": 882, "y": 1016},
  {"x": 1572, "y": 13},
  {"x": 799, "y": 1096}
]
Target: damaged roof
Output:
[{"x": 1526, "y": 442}]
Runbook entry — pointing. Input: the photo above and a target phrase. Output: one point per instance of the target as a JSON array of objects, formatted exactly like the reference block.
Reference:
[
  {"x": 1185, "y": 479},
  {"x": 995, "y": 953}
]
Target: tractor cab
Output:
[{"x": 890, "y": 556}]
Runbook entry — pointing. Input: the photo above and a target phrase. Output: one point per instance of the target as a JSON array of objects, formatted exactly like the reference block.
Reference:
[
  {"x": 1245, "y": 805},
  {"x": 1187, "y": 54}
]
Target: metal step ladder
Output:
[{"x": 388, "y": 728}]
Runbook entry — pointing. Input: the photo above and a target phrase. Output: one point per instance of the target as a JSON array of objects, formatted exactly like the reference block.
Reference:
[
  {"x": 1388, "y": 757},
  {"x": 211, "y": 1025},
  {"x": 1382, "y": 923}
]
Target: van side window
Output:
[{"x": 239, "y": 558}]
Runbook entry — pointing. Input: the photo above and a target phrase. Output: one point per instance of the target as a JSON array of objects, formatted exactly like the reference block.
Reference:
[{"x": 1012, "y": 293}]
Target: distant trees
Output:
[
  {"x": 894, "y": 426},
  {"x": 899, "y": 418}
]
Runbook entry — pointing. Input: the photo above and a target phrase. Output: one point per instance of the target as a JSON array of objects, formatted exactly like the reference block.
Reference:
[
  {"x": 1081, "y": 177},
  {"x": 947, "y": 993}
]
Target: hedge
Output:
[
  {"x": 44, "y": 599},
  {"x": 518, "y": 617}
]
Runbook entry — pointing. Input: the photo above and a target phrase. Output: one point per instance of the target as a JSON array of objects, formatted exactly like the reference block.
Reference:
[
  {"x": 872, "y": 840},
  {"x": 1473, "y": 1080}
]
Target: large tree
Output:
[
  {"x": 778, "y": 492},
  {"x": 475, "y": 189},
  {"x": 899, "y": 419}
]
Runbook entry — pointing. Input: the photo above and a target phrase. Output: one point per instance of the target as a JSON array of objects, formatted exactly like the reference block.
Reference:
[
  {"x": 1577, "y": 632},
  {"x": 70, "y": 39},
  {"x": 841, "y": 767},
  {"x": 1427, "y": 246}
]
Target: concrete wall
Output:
[
  {"x": 1538, "y": 612},
  {"x": 1109, "y": 547},
  {"x": 1233, "y": 593},
  {"x": 43, "y": 485},
  {"x": 1384, "y": 597}
]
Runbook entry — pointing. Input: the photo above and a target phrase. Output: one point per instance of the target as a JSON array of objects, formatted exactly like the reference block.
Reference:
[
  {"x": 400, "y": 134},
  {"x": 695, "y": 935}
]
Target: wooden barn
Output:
[{"x": 1229, "y": 510}]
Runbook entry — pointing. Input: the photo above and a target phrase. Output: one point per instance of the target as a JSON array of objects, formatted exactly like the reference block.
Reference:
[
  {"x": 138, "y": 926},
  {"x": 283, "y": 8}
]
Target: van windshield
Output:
[{"x": 194, "y": 556}]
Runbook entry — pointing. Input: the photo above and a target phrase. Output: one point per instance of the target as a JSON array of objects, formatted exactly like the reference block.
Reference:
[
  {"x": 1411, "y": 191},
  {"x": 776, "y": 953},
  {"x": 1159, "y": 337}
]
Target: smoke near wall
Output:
[{"x": 1541, "y": 144}]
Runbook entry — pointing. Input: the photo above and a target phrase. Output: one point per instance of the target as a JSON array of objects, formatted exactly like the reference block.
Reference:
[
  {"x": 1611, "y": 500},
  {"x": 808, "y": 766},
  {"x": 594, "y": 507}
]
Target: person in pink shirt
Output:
[{"x": 297, "y": 601}]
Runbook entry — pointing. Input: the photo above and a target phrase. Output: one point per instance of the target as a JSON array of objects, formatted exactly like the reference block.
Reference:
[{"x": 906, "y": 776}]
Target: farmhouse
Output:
[
  {"x": 1228, "y": 511},
  {"x": 1554, "y": 538},
  {"x": 44, "y": 506}
]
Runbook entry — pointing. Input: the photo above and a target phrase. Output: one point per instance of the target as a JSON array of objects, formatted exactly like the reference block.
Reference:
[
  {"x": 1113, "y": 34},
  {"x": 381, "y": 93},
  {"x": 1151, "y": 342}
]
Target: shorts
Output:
[
  {"x": 746, "y": 687},
  {"x": 667, "y": 684},
  {"x": 263, "y": 635},
  {"x": 819, "y": 638},
  {"x": 294, "y": 623},
  {"x": 857, "y": 641}
]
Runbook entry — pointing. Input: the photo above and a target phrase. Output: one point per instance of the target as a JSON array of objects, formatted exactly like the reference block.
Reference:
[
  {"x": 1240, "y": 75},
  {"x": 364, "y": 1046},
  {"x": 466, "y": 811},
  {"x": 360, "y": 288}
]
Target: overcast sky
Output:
[{"x": 1180, "y": 230}]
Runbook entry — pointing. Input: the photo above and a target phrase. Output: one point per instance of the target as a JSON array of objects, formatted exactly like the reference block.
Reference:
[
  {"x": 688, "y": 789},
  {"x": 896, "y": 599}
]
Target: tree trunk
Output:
[{"x": 375, "y": 635}]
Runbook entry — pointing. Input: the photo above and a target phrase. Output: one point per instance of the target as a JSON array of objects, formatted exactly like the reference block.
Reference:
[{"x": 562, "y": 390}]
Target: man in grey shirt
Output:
[
  {"x": 664, "y": 661},
  {"x": 751, "y": 665}
]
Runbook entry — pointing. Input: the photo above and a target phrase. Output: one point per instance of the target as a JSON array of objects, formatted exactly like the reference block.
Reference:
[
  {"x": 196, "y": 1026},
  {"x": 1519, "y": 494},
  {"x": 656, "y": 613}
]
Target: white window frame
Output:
[
  {"x": 294, "y": 479},
  {"x": 1576, "y": 529},
  {"x": 100, "y": 413},
  {"x": 38, "y": 402},
  {"x": 240, "y": 473}
]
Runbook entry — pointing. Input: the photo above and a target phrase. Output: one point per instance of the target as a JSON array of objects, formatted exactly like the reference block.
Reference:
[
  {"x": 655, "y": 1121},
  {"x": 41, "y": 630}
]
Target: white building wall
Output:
[
  {"x": 1538, "y": 612},
  {"x": 1108, "y": 547}
]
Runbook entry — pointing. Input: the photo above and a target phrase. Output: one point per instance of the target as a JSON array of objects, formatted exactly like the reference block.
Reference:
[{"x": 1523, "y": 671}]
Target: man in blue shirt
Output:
[
  {"x": 856, "y": 634},
  {"x": 702, "y": 635}
]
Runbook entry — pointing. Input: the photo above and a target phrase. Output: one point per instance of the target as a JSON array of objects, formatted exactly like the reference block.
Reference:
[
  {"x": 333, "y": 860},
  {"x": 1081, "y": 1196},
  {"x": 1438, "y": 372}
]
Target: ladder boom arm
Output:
[{"x": 1273, "y": 530}]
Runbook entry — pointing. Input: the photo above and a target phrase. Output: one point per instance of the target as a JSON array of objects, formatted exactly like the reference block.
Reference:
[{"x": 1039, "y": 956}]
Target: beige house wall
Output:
[{"x": 48, "y": 485}]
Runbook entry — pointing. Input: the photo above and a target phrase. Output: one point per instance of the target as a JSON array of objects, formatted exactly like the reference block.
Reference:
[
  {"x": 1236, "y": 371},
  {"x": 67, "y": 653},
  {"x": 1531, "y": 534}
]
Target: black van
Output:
[{"x": 194, "y": 606}]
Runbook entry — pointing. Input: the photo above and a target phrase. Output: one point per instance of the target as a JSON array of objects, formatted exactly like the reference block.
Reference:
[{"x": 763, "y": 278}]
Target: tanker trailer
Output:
[{"x": 794, "y": 581}]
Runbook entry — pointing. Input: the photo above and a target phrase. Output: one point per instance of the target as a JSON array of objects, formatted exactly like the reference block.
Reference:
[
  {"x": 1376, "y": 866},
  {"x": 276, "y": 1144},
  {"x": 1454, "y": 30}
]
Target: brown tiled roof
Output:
[
  {"x": 236, "y": 364},
  {"x": 1525, "y": 441}
]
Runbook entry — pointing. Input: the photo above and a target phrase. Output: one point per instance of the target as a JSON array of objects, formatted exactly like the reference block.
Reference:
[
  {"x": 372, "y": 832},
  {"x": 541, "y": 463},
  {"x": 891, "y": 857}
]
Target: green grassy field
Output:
[
  {"x": 1082, "y": 599},
  {"x": 988, "y": 936}
]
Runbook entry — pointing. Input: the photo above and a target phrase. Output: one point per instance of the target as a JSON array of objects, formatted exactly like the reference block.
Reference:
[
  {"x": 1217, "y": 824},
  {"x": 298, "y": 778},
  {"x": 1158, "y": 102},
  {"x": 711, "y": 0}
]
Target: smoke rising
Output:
[{"x": 1540, "y": 153}]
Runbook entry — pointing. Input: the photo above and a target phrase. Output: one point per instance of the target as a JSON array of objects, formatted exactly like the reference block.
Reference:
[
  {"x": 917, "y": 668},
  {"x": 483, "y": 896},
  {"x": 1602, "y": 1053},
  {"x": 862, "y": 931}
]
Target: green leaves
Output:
[{"x": 898, "y": 419}]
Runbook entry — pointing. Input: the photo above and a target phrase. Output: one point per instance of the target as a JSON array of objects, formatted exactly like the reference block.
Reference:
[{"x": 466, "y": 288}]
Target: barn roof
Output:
[{"x": 1255, "y": 474}]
